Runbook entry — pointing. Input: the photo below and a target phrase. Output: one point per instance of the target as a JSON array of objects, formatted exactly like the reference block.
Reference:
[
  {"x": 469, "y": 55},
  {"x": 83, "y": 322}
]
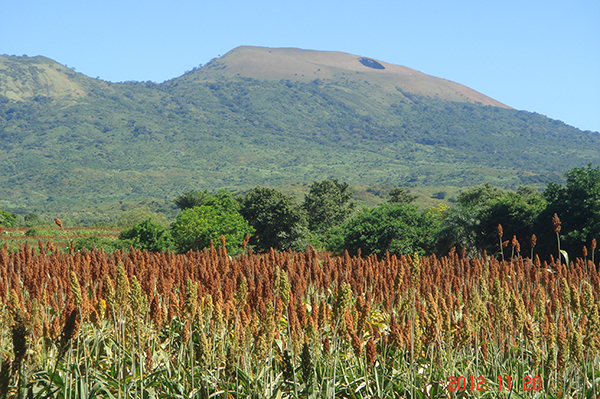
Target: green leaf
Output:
[{"x": 565, "y": 255}]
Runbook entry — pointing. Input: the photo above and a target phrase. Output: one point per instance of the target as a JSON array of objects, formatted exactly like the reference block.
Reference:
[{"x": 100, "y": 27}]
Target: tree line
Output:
[{"x": 486, "y": 218}]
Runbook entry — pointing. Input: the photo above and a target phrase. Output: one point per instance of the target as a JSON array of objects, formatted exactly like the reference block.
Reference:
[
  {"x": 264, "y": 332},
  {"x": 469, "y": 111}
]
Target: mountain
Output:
[
  {"x": 315, "y": 66},
  {"x": 262, "y": 116}
]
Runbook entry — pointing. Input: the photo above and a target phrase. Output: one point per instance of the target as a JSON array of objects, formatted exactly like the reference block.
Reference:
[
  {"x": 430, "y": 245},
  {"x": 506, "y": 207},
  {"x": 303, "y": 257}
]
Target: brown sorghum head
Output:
[{"x": 556, "y": 223}]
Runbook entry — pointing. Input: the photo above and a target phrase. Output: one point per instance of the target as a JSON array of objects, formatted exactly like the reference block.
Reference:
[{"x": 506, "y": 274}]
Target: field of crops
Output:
[
  {"x": 61, "y": 238},
  {"x": 300, "y": 325}
]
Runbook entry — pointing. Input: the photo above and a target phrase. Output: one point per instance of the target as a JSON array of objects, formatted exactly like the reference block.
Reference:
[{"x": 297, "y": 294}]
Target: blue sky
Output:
[{"x": 539, "y": 56}]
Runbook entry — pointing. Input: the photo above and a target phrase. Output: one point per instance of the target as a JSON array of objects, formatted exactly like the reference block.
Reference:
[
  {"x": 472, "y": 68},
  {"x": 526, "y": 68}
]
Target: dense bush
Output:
[
  {"x": 396, "y": 228},
  {"x": 196, "y": 227},
  {"x": 7, "y": 219},
  {"x": 278, "y": 221},
  {"x": 148, "y": 236}
]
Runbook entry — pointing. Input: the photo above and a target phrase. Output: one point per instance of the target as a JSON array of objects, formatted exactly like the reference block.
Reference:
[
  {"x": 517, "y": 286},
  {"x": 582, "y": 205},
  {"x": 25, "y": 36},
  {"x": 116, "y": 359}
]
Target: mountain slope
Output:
[
  {"x": 70, "y": 142},
  {"x": 330, "y": 66}
]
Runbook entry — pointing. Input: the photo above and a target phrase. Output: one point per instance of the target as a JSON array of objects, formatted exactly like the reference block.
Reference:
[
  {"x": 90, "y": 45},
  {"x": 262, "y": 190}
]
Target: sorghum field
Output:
[{"x": 300, "y": 325}]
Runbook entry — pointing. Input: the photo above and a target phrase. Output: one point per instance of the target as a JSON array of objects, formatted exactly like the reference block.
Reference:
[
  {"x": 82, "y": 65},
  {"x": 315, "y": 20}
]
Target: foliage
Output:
[
  {"x": 278, "y": 221},
  {"x": 459, "y": 230},
  {"x": 107, "y": 244},
  {"x": 32, "y": 219},
  {"x": 190, "y": 199},
  {"x": 578, "y": 208},
  {"x": 516, "y": 212},
  {"x": 222, "y": 199},
  {"x": 32, "y": 232},
  {"x": 135, "y": 141},
  {"x": 328, "y": 204},
  {"x": 7, "y": 219},
  {"x": 147, "y": 236},
  {"x": 473, "y": 223},
  {"x": 479, "y": 196},
  {"x": 139, "y": 214},
  {"x": 400, "y": 195},
  {"x": 196, "y": 227},
  {"x": 395, "y": 228}
]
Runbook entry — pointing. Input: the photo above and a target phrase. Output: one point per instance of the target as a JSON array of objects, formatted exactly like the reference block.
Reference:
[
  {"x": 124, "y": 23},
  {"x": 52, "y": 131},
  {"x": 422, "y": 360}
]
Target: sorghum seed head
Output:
[
  {"x": 76, "y": 289},
  {"x": 306, "y": 364},
  {"x": 565, "y": 292},
  {"x": 137, "y": 297},
  {"x": 191, "y": 297},
  {"x": 122, "y": 289},
  {"x": 556, "y": 223},
  {"x": 371, "y": 352},
  {"x": 284, "y": 288}
]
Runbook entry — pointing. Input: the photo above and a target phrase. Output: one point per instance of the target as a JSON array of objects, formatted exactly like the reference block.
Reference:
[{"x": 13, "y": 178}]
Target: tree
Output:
[
  {"x": 459, "y": 230},
  {"x": 327, "y": 204},
  {"x": 578, "y": 208},
  {"x": 473, "y": 223},
  {"x": 137, "y": 215},
  {"x": 7, "y": 219},
  {"x": 222, "y": 199},
  {"x": 479, "y": 195},
  {"x": 147, "y": 236},
  {"x": 32, "y": 219},
  {"x": 197, "y": 226},
  {"x": 279, "y": 222},
  {"x": 397, "y": 228},
  {"x": 516, "y": 212},
  {"x": 400, "y": 195}
]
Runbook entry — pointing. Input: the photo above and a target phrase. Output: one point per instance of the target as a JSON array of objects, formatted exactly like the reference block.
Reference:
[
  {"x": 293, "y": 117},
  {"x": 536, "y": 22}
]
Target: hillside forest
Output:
[{"x": 71, "y": 143}]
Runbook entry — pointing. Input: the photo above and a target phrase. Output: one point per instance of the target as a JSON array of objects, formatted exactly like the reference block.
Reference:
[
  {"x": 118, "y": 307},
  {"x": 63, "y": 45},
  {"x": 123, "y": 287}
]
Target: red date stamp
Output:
[{"x": 472, "y": 383}]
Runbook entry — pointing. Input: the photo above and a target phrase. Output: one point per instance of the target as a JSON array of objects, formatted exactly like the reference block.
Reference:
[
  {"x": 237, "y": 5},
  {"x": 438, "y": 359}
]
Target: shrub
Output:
[
  {"x": 32, "y": 232},
  {"x": 7, "y": 219},
  {"x": 397, "y": 228},
  {"x": 197, "y": 226},
  {"x": 280, "y": 223},
  {"x": 147, "y": 236}
]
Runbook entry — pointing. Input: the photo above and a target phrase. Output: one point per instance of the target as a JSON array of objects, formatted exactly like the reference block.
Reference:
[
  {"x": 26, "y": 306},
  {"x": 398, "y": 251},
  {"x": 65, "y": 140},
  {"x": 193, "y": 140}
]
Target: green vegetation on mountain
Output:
[{"x": 71, "y": 143}]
